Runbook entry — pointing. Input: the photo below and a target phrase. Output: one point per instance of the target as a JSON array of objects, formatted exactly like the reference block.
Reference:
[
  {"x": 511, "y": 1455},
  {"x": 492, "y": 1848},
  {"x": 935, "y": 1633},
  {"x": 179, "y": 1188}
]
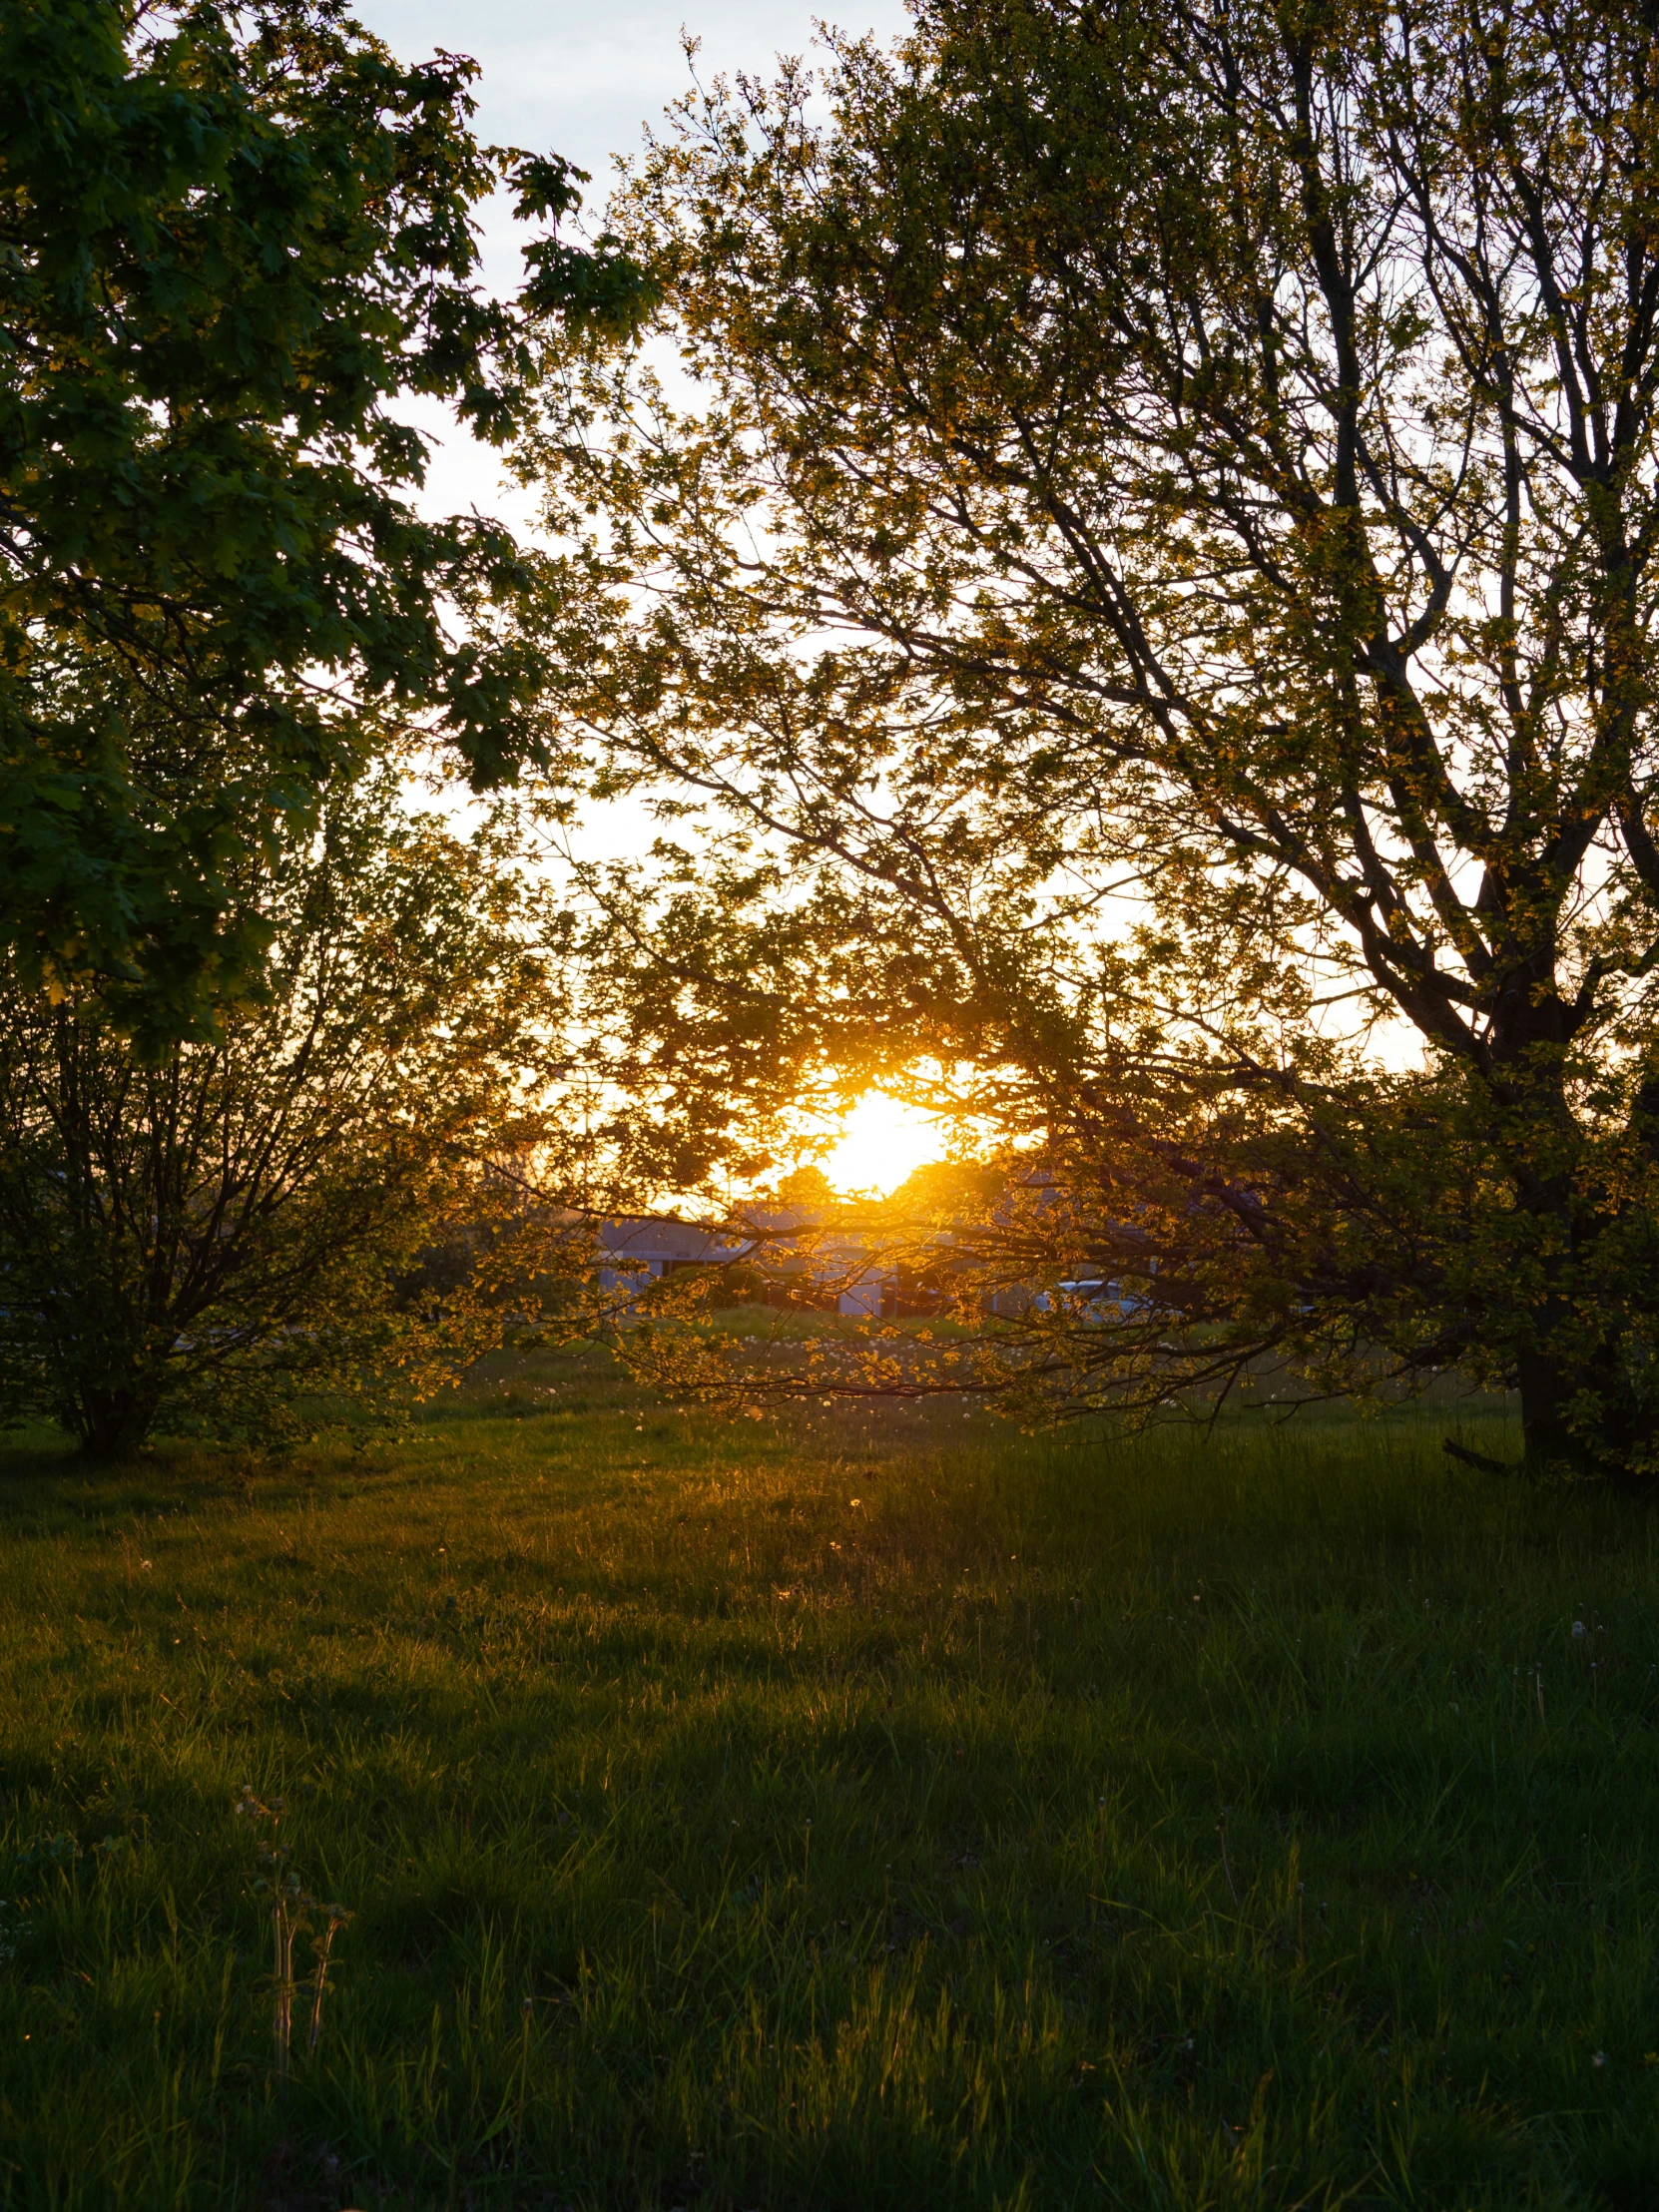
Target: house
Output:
[
  {"x": 645, "y": 1248},
  {"x": 832, "y": 1267}
]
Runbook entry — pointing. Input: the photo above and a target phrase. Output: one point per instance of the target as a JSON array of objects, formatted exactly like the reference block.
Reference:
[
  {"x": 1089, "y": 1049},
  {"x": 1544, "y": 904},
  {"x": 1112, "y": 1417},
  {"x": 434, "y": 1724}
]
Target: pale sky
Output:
[{"x": 584, "y": 82}]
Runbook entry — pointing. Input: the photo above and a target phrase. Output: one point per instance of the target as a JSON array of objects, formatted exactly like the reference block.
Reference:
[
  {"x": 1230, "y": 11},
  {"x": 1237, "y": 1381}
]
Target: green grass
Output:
[{"x": 1198, "y": 1822}]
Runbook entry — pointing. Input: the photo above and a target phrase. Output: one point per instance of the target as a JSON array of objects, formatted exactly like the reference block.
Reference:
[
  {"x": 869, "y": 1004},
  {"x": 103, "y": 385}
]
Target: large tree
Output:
[
  {"x": 231, "y": 240},
  {"x": 1155, "y": 566}
]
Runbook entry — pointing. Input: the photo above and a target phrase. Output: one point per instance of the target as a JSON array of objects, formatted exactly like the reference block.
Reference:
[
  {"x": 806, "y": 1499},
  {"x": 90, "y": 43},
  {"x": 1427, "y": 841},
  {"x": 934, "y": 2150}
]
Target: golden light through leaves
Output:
[{"x": 883, "y": 1140}]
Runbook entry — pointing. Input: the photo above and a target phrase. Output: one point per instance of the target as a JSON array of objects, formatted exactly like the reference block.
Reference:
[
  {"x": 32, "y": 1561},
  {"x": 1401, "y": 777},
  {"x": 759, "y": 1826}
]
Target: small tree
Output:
[
  {"x": 1161, "y": 557},
  {"x": 207, "y": 1238}
]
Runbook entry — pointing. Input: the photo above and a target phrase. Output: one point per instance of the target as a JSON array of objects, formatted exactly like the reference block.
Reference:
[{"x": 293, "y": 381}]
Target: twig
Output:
[
  {"x": 1478, "y": 1458},
  {"x": 1221, "y": 1831},
  {"x": 322, "y": 1944}
]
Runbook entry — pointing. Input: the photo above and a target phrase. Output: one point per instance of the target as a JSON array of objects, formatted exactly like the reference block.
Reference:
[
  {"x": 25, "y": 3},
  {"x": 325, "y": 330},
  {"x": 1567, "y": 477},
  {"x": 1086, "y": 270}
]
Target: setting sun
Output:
[{"x": 883, "y": 1140}]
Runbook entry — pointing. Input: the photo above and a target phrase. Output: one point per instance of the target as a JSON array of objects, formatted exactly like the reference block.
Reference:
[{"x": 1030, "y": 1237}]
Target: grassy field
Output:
[{"x": 834, "y": 1812}]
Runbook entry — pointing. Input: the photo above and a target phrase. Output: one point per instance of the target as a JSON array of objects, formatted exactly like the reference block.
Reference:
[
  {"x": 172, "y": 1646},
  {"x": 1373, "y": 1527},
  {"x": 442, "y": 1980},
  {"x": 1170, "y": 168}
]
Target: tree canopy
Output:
[
  {"x": 1153, "y": 581},
  {"x": 230, "y": 241}
]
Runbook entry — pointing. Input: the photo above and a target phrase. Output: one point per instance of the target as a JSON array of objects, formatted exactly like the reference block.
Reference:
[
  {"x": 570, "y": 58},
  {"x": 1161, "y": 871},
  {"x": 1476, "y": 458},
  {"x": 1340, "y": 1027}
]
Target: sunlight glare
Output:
[{"x": 882, "y": 1140}]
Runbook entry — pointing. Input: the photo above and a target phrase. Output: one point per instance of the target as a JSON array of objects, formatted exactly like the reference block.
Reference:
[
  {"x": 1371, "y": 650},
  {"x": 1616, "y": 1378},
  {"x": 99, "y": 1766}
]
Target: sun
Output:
[{"x": 882, "y": 1140}]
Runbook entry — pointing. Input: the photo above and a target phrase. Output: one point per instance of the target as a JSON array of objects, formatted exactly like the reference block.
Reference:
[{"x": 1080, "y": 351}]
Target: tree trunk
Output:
[
  {"x": 1546, "y": 1389},
  {"x": 114, "y": 1424},
  {"x": 1532, "y": 1030},
  {"x": 1614, "y": 1447}
]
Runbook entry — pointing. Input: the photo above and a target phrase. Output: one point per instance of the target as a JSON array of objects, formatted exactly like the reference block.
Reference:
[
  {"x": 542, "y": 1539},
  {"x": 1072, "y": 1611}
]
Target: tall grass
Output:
[{"x": 881, "y": 1810}]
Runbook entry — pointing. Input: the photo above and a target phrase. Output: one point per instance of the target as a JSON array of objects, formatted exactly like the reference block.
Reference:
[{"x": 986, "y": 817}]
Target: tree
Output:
[
  {"x": 213, "y": 1237},
  {"x": 1157, "y": 573},
  {"x": 230, "y": 239}
]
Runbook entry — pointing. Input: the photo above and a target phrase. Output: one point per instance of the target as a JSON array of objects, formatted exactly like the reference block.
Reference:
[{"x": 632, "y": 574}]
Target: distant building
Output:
[
  {"x": 646, "y": 1248},
  {"x": 829, "y": 1266}
]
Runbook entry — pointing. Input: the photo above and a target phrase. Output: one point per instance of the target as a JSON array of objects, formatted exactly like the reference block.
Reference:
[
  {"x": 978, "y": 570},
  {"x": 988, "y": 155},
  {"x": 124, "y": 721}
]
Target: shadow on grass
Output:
[{"x": 876, "y": 1809}]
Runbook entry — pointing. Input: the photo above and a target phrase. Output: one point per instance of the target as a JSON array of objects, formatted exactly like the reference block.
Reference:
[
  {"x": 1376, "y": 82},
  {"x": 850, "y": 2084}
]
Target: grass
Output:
[{"x": 834, "y": 1812}]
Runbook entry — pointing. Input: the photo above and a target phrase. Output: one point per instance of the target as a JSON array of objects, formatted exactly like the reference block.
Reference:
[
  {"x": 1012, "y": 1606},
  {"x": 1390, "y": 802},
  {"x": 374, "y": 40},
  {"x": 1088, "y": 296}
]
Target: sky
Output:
[{"x": 584, "y": 82}]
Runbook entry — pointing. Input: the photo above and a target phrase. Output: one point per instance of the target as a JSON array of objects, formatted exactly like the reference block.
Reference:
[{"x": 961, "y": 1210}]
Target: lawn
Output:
[{"x": 839, "y": 1811}]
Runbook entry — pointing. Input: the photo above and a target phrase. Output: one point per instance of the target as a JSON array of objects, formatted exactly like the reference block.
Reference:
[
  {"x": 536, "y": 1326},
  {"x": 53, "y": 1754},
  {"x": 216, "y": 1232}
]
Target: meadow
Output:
[{"x": 840, "y": 1810}]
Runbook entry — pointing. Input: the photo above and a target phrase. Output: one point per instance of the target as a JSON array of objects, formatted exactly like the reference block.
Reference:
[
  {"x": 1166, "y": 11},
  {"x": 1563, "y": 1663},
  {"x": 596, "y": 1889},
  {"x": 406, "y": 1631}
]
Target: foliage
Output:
[
  {"x": 553, "y": 1689},
  {"x": 231, "y": 240},
  {"x": 209, "y": 1238},
  {"x": 1152, "y": 578}
]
